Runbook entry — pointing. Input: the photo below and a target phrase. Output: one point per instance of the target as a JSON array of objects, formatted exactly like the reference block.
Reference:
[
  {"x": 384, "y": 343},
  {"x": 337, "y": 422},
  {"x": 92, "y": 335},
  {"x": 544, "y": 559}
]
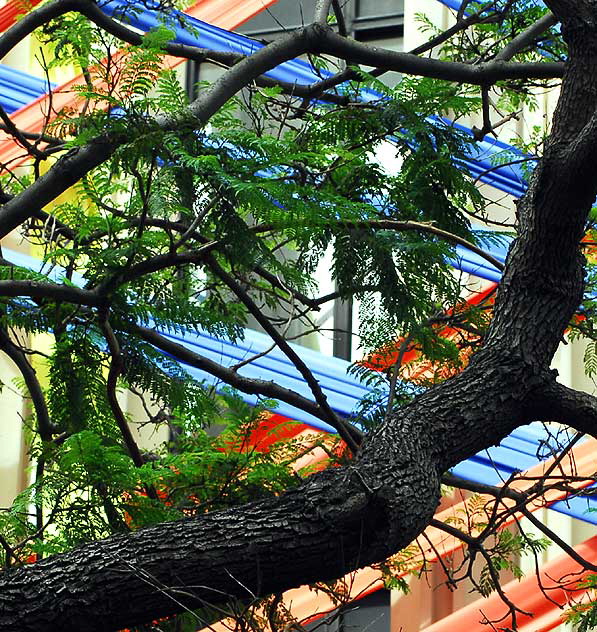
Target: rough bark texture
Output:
[{"x": 346, "y": 518}]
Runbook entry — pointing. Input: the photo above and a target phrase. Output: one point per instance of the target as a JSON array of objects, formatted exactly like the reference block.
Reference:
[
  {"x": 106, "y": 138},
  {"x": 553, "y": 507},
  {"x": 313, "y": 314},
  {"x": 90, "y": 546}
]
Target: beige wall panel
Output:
[
  {"x": 12, "y": 455},
  {"x": 147, "y": 435},
  {"x": 413, "y": 36},
  {"x": 412, "y": 612}
]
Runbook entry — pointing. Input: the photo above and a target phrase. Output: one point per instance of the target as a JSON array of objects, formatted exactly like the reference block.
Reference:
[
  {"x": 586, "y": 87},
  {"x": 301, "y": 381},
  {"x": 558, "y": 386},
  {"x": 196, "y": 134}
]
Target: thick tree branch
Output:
[
  {"x": 580, "y": 152},
  {"x": 568, "y": 406},
  {"x": 44, "y": 424},
  {"x": 487, "y": 73},
  {"x": 545, "y": 262},
  {"x": 193, "y": 53},
  {"x": 572, "y": 12},
  {"x": 348, "y": 517},
  {"x": 526, "y": 38},
  {"x": 40, "y": 290}
]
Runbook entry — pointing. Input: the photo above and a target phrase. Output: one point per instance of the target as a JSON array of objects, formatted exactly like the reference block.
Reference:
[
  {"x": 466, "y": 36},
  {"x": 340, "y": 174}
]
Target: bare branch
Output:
[
  {"x": 339, "y": 13},
  {"x": 524, "y": 39},
  {"x": 346, "y": 431},
  {"x": 116, "y": 365},
  {"x": 40, "y": 290},
  {"x": 19, "y": 136},
  {"x": 245, "y": 384},
  {"x": 461, "y": 24},
  {"x": 486, "y": 73},
  {"x": 44, "y": 424}
]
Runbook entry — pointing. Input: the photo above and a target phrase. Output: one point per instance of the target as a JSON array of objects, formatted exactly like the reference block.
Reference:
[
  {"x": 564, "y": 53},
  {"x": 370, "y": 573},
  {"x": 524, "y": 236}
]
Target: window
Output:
[
  {"x": 283, "y": 15},
  {"x": 377, "y": 22},
  {"x": 374, "y": 8},
  {"x": 365, "y": 19},
  {"x": 369, "y": 614}
]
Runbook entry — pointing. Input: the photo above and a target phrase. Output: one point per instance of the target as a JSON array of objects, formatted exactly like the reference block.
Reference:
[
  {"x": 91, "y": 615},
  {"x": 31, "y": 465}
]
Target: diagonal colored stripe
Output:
[{"x": 228, "y": 14}]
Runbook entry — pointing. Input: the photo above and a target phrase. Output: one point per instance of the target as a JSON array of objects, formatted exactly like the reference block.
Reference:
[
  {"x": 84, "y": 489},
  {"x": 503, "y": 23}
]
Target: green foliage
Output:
[
  {"x": 72, "y": 39},
  {"x": 503, "y": 555},
  {"x": 583, "y": 616},
  {"x": 77, "y": 394},
  {"x": 269, "y": 193},
  {"x": 373, "y": 408},
  {"x": 90, "y": 487},
  {"x": 590, "y": 359},
  {"x": 494, "y": 26},
  {"x": 268, "y": 200}
]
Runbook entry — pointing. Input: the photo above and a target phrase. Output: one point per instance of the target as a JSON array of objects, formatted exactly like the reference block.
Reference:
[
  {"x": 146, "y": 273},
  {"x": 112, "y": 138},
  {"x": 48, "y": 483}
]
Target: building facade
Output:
[{"x": 391, "y": 24}]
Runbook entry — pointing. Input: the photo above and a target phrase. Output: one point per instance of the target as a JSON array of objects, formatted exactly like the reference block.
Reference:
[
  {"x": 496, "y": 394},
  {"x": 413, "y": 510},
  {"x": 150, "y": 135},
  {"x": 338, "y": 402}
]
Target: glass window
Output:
[
  {"x": 284, "y": 14},
  {"x": 373, "y": 8},
  {"x": 370, "y": 614}
]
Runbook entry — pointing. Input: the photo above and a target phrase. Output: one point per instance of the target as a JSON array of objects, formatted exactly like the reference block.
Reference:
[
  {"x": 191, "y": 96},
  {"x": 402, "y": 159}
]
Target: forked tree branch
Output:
[
  {"x": 45, "y": 426},
  {"x": 345, "y": 517},
  {"x": 116, "y": 366},
  {"x": 33, "y": 20},
  {"x": 345, "y": 430},
  {"x": 524, "y": 39},
  {"x": 522, "y": 499},
  {"x": 325, "y": 41},
  {"x": 236, "y": 380}
]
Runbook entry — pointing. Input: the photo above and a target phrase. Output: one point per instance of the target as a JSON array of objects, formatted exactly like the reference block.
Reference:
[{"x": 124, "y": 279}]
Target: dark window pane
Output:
[
  {"x": 371, "y": 8},
  {"x": 370, "y": 614},
  {"x": 333, "y": 625},
  {"x": 281, "y": 15}
]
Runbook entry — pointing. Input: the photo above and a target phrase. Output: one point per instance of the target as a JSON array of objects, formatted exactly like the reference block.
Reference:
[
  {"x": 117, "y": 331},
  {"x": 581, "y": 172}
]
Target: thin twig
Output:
[{"x": 345, "y": 430}]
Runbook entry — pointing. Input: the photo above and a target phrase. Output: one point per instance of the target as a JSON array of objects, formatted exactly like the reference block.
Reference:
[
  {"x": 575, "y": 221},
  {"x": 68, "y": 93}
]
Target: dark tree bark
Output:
[{"x": 349, "y": 517}]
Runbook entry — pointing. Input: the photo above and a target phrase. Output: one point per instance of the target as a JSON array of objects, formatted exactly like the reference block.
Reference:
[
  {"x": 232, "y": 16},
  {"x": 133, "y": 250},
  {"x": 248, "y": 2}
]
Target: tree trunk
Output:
[{"x": 346, "y": 518}]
